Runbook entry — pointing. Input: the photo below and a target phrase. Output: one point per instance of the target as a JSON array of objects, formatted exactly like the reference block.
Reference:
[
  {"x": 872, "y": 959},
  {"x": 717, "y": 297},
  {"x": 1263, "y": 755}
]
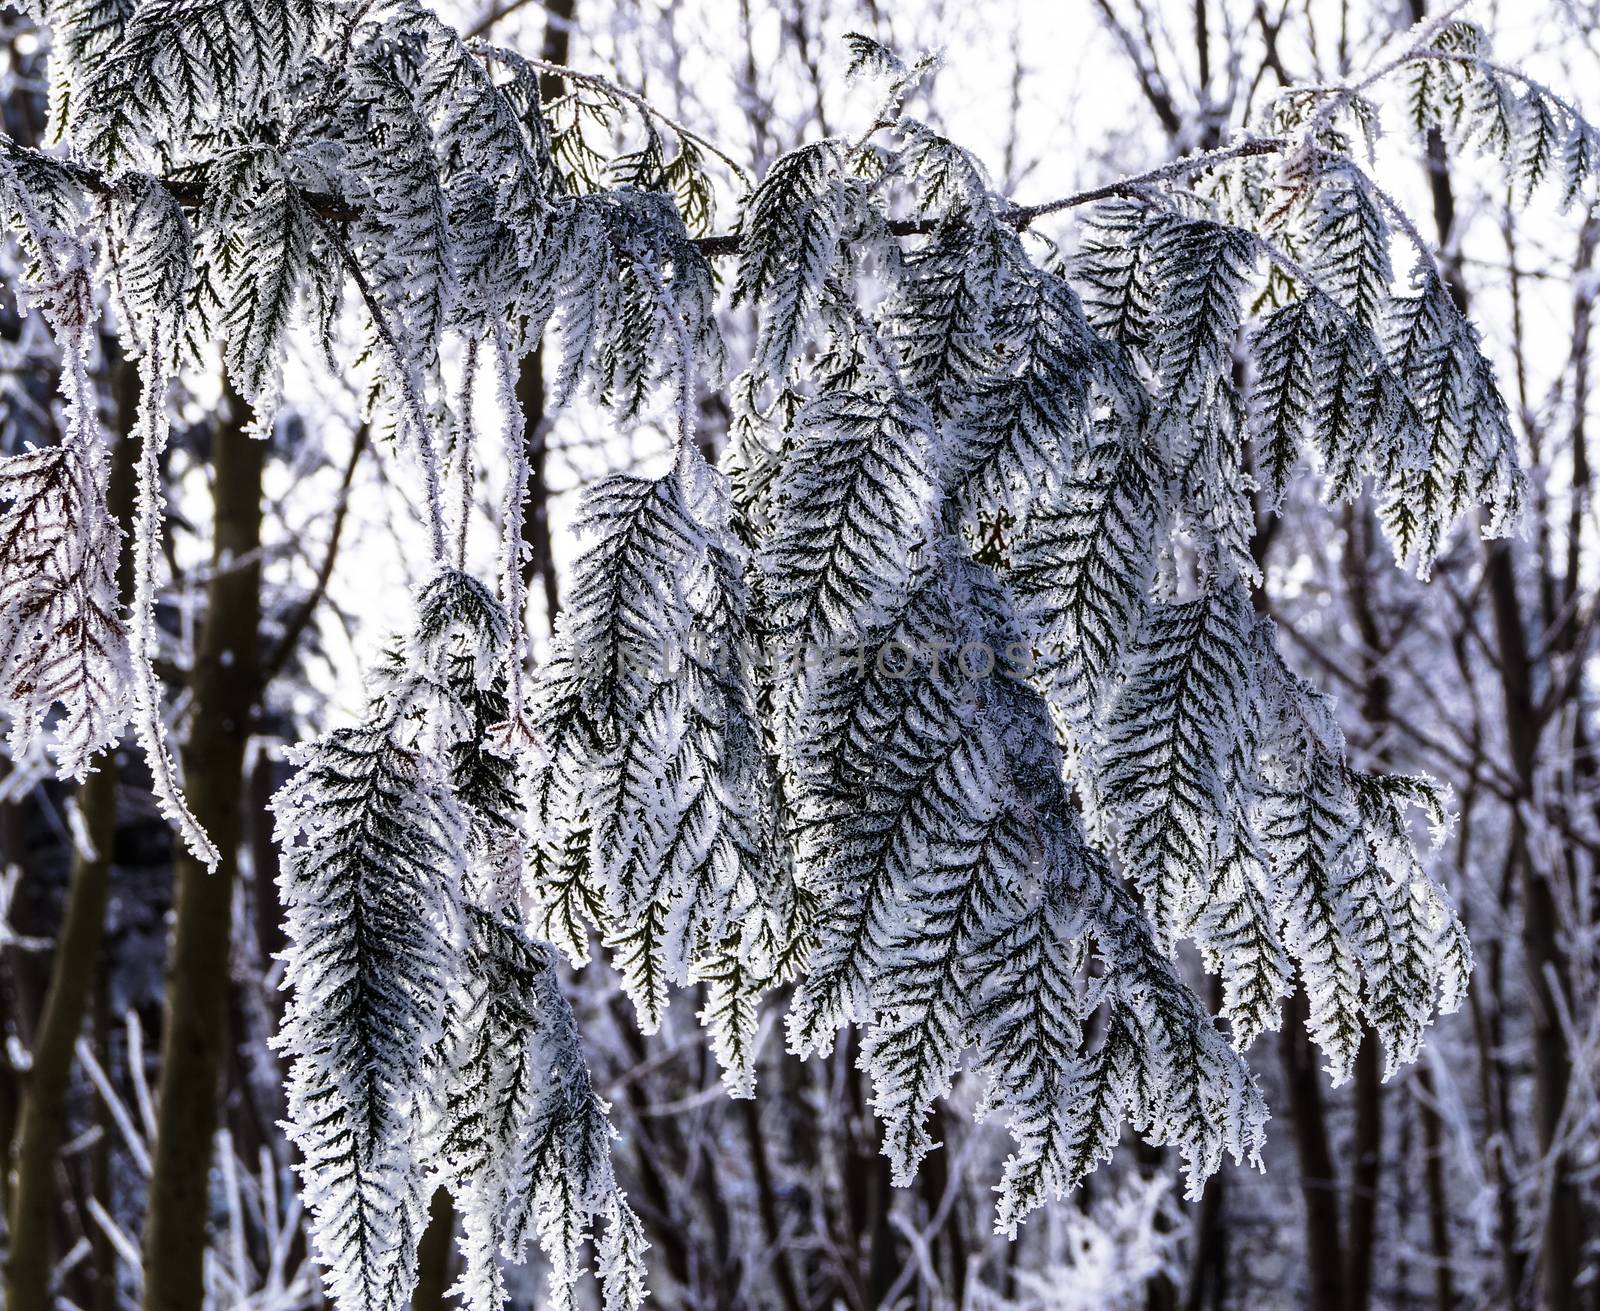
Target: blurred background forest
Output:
[{"x": 1472, "y": 1179}]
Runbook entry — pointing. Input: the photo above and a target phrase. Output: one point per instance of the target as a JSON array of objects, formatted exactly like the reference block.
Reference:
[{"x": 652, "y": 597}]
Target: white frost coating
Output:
[
  {"x": 428, "y": 456},
  {"x": 82, "y": 840},
  {"x": 763, "y": 753},
  {"x": 684, "y": 350},
  {"x": 466, "y": 453},
  {"x": 149, "y": 503},
  {"x": 404, "y": 377},
  {"x": 65, "y": 641},
  {"x": 513, "y": 550}
]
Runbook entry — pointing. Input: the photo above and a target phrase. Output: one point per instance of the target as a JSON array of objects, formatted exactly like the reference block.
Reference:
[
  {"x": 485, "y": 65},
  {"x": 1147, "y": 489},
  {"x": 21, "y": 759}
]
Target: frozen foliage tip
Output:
[{"x": 430, "y": 1040}]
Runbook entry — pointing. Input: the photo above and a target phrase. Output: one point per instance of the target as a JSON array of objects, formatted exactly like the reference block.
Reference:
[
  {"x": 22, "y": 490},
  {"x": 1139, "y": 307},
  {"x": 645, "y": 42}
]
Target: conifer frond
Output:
[
  {"x": 1350, "y": 239},
  {"x": 1315, "y": 845},
  {"x": 178, "y": 63},
  {"x": 1238, "y": 937},
  {"x": 1164, "y": 763},
  {"x": 1025, "y": 406},
  {"x": 64, "y": 642},
  {"x": 1288, "y": 348},
  {"x": 401, "y": 239},
  {"x": 269, "y": 258},
  {"x": 651, "y": 742},
  {"x": 372, "y": 840},
  {"x": 430, "y": 1036},
  {"x": 153, "y": 256},
  {"x": 792, "y": 228},
  {"x": 1116, "y": 266},
  {"x": 1200, "y": 269},
  {"x": 556, "y": 872},
  {"x": 630, "y": 280},
  {"x": 877, "y": 725},
  {"x": 520, "y": 1115},
  {"x": 850, "y": 507},
  {"x": 1084, "y": 564}
]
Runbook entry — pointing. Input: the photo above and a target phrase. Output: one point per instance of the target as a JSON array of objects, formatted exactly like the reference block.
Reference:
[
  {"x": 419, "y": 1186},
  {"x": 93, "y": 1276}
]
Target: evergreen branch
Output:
[
  {"x": 191, "y": 194},
  {"x": 1019, "y": 217}
]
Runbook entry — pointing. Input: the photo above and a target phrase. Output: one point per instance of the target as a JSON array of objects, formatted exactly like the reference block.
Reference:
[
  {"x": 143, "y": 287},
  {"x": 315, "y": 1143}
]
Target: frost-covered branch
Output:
[{"x": 942, "y": 703}]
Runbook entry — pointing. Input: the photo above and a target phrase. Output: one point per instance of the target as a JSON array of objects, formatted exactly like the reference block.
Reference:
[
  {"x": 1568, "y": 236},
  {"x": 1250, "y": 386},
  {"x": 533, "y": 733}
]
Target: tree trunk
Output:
[
  {"x": 1160, "y": 1293},
  {"x": 749, "y": 1112},
  {"x": 1561, "y": 1251},
  {"x": 1319, "y": 1179},
  {"x": 43, "y": 1123},
  {"x": 1366, "y": 1170},
  {"x": 1208, "y": 1276},
  {"x": 433, "y": 1254},
  {"x": 1560, "y": 1257},
  {"x": 1483, "y": 1002},
  {"x": 1444, "y": 1293},
  {"x": 225, "y": 688},
  {"x": 1208, "y": 1271}
]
